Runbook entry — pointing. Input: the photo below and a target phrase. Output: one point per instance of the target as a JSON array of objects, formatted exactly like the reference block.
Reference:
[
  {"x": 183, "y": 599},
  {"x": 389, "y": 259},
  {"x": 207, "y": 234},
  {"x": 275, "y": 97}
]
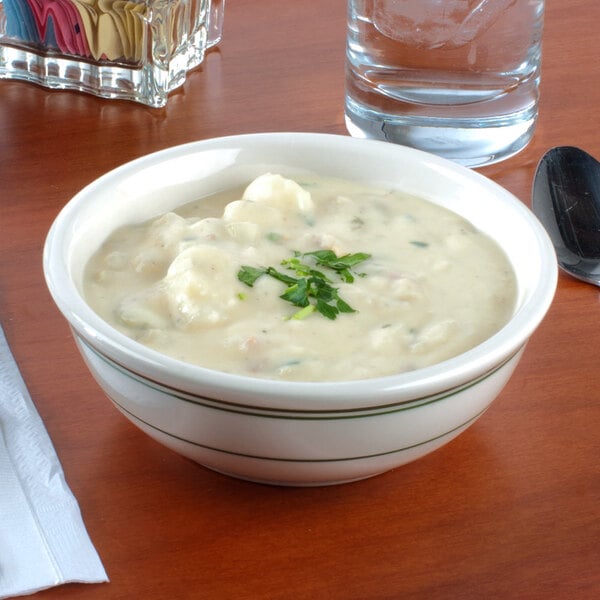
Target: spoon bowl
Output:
[{"x": 566, "y": 200}]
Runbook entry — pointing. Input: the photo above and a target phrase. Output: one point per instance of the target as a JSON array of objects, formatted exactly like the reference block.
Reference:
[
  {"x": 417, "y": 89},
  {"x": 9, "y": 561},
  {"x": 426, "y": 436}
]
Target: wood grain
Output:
[{"x": 510, "y": 509}]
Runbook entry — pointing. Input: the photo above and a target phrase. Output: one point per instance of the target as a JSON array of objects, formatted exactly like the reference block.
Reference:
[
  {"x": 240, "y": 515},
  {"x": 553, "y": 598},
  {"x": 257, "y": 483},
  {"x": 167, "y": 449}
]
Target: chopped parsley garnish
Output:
[{"x": 311, "y": 289}]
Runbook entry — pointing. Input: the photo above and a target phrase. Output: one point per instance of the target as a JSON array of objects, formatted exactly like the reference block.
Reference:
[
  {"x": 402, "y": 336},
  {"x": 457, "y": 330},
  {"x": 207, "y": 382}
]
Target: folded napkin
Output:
[{"x": 43, "y": 541}]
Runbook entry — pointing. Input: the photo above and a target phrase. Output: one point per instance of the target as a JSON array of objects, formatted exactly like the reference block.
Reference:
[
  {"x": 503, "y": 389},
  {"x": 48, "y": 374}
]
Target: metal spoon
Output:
[{"x": 566, "y": 199}]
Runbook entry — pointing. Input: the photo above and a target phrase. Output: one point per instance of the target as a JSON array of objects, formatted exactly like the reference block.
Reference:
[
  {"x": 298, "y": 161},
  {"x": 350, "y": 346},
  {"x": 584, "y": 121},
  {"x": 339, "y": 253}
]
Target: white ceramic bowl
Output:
[{"x": 281, "y": 432}]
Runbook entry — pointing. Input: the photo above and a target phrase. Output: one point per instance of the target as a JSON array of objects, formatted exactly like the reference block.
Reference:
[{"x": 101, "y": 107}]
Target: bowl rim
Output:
[{"x": 276, "y": 394}]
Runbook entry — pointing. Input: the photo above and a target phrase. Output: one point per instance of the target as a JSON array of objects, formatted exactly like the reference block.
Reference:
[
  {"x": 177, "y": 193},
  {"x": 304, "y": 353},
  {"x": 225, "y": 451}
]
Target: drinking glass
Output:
[{"x": 459, "y": 78}]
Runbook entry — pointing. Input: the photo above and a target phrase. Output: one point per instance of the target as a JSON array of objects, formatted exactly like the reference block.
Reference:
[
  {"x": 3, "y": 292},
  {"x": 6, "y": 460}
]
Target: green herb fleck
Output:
[
  {"x": 311, "y": 289},
  {"x": 342, "y": 264},
  {"x": 304, "y": 312},
  {"x": 249, "y": 275},
  {"x": 419, "y": 244},
  {"x": 357, "y": 223}
]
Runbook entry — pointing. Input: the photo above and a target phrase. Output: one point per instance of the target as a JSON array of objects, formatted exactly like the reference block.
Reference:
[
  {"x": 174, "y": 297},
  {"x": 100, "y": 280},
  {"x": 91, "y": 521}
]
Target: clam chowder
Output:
[{"x": 307, "y": 280}]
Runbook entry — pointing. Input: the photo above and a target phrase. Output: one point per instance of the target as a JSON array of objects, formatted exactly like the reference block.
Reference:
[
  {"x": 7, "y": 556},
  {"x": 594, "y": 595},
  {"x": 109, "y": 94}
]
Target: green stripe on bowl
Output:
[
  {"x": 301, "y": 460},
  {"x": 279, "y": 413}
]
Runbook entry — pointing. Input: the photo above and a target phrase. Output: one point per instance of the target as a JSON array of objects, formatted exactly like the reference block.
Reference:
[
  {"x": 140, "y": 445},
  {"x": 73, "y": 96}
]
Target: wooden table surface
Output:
[{"x": 510, "y": 509}]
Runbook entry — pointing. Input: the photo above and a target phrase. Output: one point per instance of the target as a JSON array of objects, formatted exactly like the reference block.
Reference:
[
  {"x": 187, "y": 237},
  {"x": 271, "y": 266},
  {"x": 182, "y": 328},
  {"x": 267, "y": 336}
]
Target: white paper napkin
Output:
[{"x": 43, "y": 541}]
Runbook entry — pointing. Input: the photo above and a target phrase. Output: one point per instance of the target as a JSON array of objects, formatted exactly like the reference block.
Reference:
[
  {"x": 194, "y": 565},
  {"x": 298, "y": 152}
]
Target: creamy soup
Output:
[{"x": 308, "y": 280}]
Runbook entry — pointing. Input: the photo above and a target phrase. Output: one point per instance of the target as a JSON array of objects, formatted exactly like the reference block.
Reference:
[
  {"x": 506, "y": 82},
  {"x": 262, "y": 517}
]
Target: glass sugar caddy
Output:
[{"x": 137, "y": 50}]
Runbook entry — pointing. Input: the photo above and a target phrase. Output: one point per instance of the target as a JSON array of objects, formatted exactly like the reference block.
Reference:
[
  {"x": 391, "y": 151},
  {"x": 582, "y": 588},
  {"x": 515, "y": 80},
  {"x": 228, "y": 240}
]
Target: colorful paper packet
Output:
[{"x": 110, "y": 30}]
